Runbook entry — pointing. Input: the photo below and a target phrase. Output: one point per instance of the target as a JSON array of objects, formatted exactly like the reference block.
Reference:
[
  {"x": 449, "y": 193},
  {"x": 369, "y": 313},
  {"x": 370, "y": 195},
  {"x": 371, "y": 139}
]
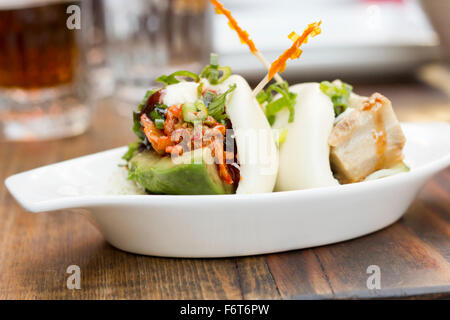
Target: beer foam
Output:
[{"x": 23, "y": 4}]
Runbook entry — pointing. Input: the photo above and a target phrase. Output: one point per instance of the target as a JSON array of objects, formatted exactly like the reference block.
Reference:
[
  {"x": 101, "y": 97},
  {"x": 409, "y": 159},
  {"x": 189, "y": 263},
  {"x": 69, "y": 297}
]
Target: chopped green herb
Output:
[
  {"x": 159, "y": 123},
  {"x": 193, "y": 112},
  {"x": 339, "y": 92},
  {"x": 157, "y": 115},
  {"x": 280, "y": 135},
  {"x": 148, "y": 94},
  {"x": 137, "y": 125},
  {"x": 272, "y": 107},
  {"x": 283, "y": 136},
  {"x": 171, "y": 79},
  {"x": 200, "y": 90},
  {"x": 263, "y": 96},
  {"x": 208, "y": 96},
  {"x": 136, "y": 120},
  {"x": 215, "y": 73},
  {"x": 216, "y": 108},
  {"x": 214, "y": 59},
  {"x": 132, "y": 148}
]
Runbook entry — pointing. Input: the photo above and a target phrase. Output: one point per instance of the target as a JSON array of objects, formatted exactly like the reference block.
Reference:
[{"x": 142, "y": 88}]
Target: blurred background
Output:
[{"x": 62, "y": 69}]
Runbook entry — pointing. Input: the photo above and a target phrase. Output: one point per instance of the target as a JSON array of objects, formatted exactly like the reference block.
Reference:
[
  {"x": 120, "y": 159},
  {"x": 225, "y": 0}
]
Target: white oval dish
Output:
[{"x": 232, "y": 225}]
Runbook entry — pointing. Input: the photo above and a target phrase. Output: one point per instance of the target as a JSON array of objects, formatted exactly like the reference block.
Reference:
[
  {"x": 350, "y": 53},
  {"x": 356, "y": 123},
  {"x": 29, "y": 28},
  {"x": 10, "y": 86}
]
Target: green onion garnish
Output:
[
  {"x": 159, "y": 123},
  {"x": 214, "y": 59},
  {"x": 216, "y": 107},
  {"x": 171, "y": 79},
  {"x": 272, "y": 107},
  {"x": 215, "y": 73},
  {"x": 132, "y": 148},
  {"x": 157, "y": 115},
  {"x": 193, "y": 112},
  {"x": 339, "y": 92}
]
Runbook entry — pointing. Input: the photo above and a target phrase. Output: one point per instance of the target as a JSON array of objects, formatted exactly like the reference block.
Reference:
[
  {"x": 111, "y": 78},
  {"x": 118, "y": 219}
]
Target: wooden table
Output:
[{"x": 35, "y": 249}]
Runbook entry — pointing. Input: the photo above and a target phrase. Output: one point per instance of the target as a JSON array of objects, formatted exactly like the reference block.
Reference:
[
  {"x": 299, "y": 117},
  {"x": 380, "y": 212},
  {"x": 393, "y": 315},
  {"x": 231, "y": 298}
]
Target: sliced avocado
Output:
[{"x": 192, "y": 173}]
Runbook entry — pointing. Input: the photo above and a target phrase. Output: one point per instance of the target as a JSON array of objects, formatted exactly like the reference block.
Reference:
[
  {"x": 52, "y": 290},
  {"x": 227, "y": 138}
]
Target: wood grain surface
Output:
[{"x": 35, "y": 249}]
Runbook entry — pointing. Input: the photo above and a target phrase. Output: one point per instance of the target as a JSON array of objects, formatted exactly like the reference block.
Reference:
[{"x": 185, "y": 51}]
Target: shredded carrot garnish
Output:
[
  {"x": 243, "y": 35},
  {"x": 294, "y": 51}
]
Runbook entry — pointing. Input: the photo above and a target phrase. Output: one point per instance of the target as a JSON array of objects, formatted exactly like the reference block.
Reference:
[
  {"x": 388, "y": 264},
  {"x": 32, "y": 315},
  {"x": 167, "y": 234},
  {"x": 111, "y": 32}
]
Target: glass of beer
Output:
[{"x": 43, "y": 85}]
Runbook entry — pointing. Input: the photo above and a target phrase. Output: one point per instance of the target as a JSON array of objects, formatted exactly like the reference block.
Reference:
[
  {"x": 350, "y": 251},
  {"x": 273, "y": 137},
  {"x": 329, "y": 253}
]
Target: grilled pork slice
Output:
[{"x": 367, "y": 138}]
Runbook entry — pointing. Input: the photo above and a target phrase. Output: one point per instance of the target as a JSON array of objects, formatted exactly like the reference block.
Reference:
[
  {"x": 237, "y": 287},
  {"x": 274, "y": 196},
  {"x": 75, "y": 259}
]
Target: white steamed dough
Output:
[
  {"x": 304, "y": 155},
  {"x": 257, "y": 152},
  {"x": 179, "y": 93}
]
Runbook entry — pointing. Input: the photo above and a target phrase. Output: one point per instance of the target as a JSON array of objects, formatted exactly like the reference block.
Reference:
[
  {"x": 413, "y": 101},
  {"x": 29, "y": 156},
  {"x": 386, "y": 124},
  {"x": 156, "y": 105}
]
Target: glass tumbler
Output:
[
  {"x": 43, "y": 85},
  {"x": 147, "y": 38}
]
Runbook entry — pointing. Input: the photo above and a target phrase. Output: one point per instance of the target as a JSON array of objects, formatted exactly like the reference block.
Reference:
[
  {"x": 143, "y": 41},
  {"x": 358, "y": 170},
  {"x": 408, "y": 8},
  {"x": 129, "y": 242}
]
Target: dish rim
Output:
[
  {"x": 80, "y": 201},
  {"x": 426, "y": 169}
]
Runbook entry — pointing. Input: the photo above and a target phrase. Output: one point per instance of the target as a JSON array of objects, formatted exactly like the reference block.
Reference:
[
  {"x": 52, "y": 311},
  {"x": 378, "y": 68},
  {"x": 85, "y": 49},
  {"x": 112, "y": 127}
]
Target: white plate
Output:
[{"x": 232, "y": 225}]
